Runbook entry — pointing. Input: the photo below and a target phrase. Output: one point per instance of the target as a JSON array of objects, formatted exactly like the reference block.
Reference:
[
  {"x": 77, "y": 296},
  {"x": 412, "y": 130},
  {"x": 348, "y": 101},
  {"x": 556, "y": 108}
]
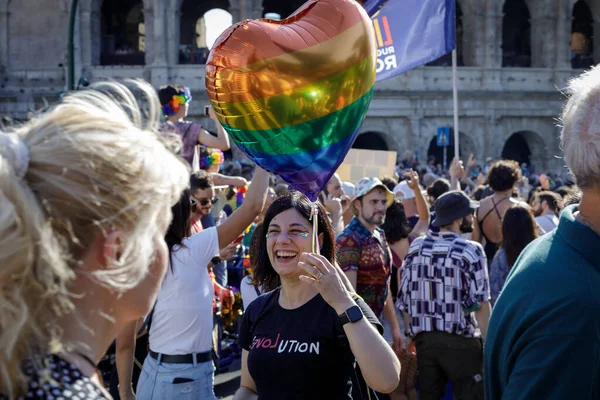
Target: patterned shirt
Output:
[
  {"x": 61, "y": 380},
  {"x": 189, "y": 132},
  {"x": 444, "y": 280},
  {"x": 359, "y": 250}
]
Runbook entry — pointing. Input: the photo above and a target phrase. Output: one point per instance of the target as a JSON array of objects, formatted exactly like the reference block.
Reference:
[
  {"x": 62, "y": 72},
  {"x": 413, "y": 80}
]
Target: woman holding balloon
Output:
[
  {"x": 292, "y": 95},
  {"x": 300, "y": 340}
]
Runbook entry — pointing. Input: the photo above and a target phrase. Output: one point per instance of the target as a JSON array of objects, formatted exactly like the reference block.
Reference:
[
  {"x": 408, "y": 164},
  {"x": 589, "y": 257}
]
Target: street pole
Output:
[
  {"x": 455, "y": 106},
  {"x": 445, "y": 157},
  {"x": 71, "y": 45}
]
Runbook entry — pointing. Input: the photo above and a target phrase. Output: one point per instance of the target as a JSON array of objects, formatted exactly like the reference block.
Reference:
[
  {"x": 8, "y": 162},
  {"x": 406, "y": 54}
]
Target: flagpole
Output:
[{"x": 455, "y": 104}]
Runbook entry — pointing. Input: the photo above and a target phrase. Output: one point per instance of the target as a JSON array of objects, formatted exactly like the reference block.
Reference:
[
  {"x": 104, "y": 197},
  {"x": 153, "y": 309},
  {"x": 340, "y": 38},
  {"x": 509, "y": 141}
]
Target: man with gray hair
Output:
[{"x": 543, "y": 339}]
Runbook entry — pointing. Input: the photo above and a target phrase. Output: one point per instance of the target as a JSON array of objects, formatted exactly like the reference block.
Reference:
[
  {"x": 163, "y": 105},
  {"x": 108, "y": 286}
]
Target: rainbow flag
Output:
[{"x": 292, "y": 94}]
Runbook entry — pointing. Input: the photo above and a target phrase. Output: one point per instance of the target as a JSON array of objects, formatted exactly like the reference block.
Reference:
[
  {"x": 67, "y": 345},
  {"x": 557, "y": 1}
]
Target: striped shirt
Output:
[{"x": 445, "y": 278}]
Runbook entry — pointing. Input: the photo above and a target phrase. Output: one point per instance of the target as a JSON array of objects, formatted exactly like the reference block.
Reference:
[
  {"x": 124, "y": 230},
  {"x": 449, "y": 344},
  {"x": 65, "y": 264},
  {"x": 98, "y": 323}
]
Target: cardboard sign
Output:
[{"x": 360, "y": 163}]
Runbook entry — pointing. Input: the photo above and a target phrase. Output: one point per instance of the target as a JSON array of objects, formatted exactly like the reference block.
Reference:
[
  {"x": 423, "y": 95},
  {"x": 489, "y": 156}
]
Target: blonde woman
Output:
[{"x": 85, "y": 196}]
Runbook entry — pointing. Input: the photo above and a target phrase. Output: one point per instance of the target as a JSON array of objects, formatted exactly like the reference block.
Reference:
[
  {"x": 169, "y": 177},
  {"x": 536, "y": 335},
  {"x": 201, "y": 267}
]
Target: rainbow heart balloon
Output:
[{"x": 292, "y": 94}]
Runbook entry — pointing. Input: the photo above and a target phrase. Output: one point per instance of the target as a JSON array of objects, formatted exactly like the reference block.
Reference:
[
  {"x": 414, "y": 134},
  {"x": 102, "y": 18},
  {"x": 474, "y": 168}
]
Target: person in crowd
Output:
[
  {"x": 502, "y": 177},
  {"x": 335, "y": 202},
  {"x": 398, "y": 232},
  {"x": 364, "y": 255},
  {"x": 544, "y": 334},
  {"x": 248, "y": 290},
  {"x": 477, "y": 194},
  {"x": 78, "y": 185},
  {"x": 175, "y": 102},
  {"x": 179, "y": 363},
  {"x": 546, "y": 207},
  {"x": 447, "y": 337},
  {"x": 435, "y": 190},
  {"x": 407, "y": 195},
  {"x": 301, "y": 338},
  {"x": 389, "y": 182},
  {"x": 281, "y": 189},
  {"x": 211, "y": 161},
  {"x": 348, "y": 188},
  {"x": 572, "y": 198},
  {"x": 202, "y": 191},
  {"x": 518, "y": 230},
  {"x": 564, "y": 191}
]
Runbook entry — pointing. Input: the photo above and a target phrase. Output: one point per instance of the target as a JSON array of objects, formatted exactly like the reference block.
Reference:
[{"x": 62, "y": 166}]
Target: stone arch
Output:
[
  {"x": 582, "y": 35},
  {"x": 192, "y": 47},
  {"x": 394, "y": 131},
  {"x": 283, "y": 8},
  {"x": 97, "y": 46},
  {"x": 371, "y": 140},
  {"x": 522, "y": 146},
  {"x": 541, "y": 135},
  {"x": 516, "y": 34},
  {"x": 467, "y": 146}
]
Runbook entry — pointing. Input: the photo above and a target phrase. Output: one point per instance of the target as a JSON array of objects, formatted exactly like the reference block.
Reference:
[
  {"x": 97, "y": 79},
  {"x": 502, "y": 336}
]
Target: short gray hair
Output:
[{"x": 580, "y": 135}]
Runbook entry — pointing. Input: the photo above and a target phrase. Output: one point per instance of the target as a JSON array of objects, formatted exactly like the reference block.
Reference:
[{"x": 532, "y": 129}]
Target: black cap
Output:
[{"x": 452, "y": 206}]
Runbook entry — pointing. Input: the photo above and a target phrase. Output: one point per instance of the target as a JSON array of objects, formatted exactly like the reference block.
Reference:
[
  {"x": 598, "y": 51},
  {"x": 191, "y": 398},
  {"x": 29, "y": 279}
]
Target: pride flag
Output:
[
  {"x": 292, "y": 94},
  {"x": 411, "y": 33}
]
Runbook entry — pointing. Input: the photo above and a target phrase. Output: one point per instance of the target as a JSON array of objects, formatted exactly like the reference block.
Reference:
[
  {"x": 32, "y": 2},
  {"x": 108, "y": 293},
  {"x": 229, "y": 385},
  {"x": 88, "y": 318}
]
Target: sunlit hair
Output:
[
  {"x": 580, "y": 136},
  {"x": 96, "y": 166}
]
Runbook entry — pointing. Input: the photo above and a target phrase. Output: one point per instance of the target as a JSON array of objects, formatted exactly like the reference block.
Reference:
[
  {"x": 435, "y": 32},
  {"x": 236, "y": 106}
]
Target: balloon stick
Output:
[{"x": 315, "y": 222}]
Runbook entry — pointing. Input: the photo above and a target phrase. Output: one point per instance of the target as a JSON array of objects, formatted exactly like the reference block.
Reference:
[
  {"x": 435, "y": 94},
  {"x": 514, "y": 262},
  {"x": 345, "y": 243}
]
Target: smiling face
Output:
[{"x": 288, "y": 236}]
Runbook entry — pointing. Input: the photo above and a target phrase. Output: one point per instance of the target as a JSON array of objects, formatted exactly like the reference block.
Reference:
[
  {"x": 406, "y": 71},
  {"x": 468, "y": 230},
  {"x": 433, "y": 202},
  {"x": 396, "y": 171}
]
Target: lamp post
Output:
[{"x": 71, "y": 46}]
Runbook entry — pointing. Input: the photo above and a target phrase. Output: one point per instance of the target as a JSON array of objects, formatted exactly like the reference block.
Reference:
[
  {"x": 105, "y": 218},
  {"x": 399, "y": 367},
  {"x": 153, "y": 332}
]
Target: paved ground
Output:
[{"x": 226, "y": 383}]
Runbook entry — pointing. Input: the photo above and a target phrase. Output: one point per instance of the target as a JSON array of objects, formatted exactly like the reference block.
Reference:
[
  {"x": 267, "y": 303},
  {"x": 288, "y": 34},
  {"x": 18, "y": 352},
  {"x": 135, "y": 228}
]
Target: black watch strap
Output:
[{"x": 353, "y": 314}]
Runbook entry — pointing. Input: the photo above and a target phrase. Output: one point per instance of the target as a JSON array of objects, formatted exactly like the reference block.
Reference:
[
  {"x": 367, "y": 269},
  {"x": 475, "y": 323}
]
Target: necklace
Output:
[{"x": 587, "y": 223}]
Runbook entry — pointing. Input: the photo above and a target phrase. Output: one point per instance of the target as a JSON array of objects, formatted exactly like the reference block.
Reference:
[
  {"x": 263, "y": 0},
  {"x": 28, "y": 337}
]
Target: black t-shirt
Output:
[
  {"x": 301, "y": 353},
  {"x": 61, "y": 380}
]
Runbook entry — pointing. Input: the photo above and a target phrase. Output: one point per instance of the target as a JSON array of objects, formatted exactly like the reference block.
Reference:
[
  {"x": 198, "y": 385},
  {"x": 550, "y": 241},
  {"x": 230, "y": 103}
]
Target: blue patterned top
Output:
[{"x": 499, "y": 270}]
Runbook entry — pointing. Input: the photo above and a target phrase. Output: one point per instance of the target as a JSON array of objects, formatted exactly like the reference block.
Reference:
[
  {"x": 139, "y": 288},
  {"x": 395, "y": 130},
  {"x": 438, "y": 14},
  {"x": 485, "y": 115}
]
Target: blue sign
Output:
[{"x": 443, "y": 136}]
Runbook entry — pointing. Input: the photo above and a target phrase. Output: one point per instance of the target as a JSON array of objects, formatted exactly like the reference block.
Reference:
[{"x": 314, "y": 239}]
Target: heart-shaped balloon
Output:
[{"x": 293, "y": 93}]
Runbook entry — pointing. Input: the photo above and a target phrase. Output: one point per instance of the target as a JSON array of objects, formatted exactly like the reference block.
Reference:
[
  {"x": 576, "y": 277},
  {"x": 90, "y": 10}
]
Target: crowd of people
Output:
[{"x": 119, "y": 230}]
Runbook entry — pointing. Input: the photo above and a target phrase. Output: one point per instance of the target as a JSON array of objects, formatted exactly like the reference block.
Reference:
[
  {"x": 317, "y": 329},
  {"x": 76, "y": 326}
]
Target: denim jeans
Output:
[{"x": 156, "y": 381}]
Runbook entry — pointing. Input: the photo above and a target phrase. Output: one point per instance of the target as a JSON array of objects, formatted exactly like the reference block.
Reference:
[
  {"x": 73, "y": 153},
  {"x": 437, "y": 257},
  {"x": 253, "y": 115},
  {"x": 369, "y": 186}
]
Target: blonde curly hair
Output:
[{"x": 95, "y": 164}]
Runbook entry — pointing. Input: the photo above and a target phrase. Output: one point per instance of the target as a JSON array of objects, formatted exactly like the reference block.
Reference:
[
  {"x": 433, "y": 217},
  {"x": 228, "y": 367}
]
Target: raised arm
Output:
[
  {"x": 221, "y": 141},
  {"x": 378, "y": 363},
  {"x": 422, "y": 207},
  {"x": 253, "y": 204},
  {"x": 224, "y": 180}
]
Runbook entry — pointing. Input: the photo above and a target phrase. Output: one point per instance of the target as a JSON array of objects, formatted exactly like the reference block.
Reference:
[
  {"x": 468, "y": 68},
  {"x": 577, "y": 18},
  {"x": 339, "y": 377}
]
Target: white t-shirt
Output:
[
  {"x": 183, "y": 315},
  {"x": 248, "y": 291},
  {"x": 547, "y": 222}
]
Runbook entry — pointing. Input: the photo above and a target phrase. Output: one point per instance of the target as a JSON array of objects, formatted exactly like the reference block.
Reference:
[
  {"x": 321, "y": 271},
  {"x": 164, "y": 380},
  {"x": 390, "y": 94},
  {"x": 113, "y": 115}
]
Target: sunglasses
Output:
[{"x": 205, "y": 202}]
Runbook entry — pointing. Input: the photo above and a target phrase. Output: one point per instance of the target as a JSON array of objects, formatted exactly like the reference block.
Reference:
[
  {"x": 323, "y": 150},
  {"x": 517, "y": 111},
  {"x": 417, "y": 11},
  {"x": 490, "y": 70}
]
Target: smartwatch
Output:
[{"x": 353, "y": 314}]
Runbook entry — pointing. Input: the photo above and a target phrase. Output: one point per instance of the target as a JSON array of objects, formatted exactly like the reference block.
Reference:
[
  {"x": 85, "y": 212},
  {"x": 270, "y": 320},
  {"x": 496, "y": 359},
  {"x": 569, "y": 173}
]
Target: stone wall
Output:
[{"x": 494, "y": 102}]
